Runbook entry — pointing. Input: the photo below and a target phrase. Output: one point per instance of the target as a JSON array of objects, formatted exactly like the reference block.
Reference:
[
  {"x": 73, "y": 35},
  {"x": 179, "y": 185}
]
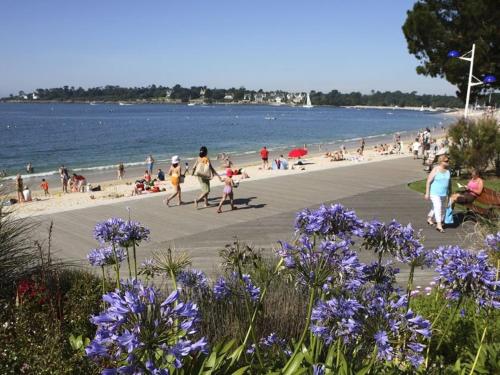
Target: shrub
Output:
[{"x": 475, "y": 144}]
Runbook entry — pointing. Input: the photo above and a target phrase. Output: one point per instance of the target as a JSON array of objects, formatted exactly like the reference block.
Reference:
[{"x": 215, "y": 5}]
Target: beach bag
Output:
[
  {"x": 448, "y": 216},
  {"x": 182, "y": 178},
  {"x": 203, "y": 170}
]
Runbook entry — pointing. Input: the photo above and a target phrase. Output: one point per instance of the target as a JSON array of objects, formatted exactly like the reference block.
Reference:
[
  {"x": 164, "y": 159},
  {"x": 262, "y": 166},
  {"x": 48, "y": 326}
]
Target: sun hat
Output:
[
  {"x": 175, "y": 159},
  {"x": 229, "y": 172}
]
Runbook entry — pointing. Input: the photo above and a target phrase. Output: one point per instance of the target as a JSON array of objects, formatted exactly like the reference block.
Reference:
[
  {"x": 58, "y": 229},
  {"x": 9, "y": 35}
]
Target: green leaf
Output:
[
  {"x": 294, "y": 366},
  {"x": 330, "y": 356},
  {"x": 241, "y": 371},
  {"x": 365, "y": 370}
]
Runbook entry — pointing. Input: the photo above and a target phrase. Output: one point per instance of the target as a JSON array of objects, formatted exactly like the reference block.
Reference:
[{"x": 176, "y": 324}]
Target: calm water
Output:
[{"x": 84, "y": 136}]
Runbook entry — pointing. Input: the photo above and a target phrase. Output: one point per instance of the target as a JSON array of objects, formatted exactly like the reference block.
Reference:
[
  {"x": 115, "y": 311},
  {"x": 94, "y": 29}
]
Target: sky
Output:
[{"x": 355, "y": 45}]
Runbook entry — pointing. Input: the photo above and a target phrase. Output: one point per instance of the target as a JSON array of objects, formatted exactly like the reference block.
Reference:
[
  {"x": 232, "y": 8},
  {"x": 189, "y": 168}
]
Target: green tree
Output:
[
  {"x": 434, "y": 27},
  {"x": 475, "y": 144}
]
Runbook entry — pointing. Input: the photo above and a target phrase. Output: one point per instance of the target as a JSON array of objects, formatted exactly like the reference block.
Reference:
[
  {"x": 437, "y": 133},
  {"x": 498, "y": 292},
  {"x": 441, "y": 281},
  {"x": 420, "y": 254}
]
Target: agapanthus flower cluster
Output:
[
  {"x": 106, "y": 256},
  {"x": 400, "y": 241},
  {"x": 382, "y": 277},
  {"x": 329, "y": 264},
  {"x": 133, "y": 232},
  {"x": 467, "y": 274},
  {"x": 371, "y": 320},
  {"x": 271, "y": 342},
  {"x": 493, "y": 241},
  {"x": 193, "y": 279},
  {"x": 329, "y": 222},
  {"x": 110, "y": 230},
  {"x": 223, "y": 288},
  {"x": 140, "y": 333},
  {"x": 148, "y": 268}
]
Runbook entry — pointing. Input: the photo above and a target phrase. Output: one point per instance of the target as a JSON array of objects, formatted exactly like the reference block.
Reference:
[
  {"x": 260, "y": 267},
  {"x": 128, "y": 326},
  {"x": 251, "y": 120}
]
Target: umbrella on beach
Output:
[{"x": 297, "y": 153}]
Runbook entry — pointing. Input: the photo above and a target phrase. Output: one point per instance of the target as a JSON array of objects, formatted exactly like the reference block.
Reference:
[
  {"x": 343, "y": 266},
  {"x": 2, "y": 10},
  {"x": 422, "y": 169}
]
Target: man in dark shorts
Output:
[{"x": 264, "y": 154}]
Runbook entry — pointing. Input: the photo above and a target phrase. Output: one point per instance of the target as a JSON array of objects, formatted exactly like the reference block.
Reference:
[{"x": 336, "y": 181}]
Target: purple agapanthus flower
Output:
[
  {"x": 140, "y": 330},
  {"x": 330, "y": 264},
  {"x": 221, "y": 289},
  {"x": 467, "y": 274},
  {"x": 105, "y": 256},
  {"x": 329, "y": 222},
  {"x": 110, "y": 230},
  {"x": 318, "y": 369},
  {"x": 398, "y": 240},
  {"x": 193, "y": 279},
  {"x": 133, "y": 232},
  {"x": 233, "y": 286},
  {"x": 374, "y": 319},
  {"x": 493, "y": 241}
]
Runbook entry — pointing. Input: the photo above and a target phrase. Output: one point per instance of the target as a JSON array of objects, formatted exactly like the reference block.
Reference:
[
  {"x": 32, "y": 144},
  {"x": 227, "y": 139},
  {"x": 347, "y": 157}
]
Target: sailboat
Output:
[{"x": 308, "y": 102}]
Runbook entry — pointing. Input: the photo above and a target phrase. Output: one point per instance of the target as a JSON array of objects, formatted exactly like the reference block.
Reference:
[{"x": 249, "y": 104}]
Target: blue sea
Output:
[{"x": 91, "y": 137}]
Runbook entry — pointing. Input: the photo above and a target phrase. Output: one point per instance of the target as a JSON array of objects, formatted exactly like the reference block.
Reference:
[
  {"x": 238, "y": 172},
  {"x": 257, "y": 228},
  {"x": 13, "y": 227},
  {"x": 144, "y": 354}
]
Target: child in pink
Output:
[{"x": 228, "y": 191}]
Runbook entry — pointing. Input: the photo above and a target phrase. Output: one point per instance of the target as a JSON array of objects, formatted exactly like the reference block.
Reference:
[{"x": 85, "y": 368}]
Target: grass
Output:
[{"x": 490, "y": 182}]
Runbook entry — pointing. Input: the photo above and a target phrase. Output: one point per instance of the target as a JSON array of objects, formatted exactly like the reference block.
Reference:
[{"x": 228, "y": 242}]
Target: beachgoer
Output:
[
  {"x": 473, "y": 190},
  {"x": 415, "y": 148},
  {"x": 147, "y": 176},
  {"x": 29, "y": 168},
  {"x": 160, "y": 175},
  {"x": 204, "y": 170},
  {"x": 78, "y": 182},
  {"x": 227, "y": 193},
  {"x": 27, "y": 194},
  {"x": 362, "y": 147},
  {"x": 19, "y": 188},
  {"x": 149, "y": 163},
  {"x": 436, "y": 189},
  {"x": 121, "y": 171},
  {"x": 264, "y": 155},
  {"x": 45, "y": 187},
  {"x": 63, "y": 173},
  {"x": 176, "y": 176}
]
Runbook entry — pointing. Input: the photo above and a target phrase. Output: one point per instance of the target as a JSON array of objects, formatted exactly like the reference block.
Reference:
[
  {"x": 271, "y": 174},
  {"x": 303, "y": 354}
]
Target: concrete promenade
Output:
[{"x": 266, "y": 212}]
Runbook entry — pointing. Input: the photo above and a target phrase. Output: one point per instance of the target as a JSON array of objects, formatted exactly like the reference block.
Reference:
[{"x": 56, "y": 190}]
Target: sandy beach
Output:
[{"x": 114, "y": 191}]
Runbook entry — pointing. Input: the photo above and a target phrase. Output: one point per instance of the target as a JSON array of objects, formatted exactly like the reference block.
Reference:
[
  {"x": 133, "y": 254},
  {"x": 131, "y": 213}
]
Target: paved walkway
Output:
[{"x": 267, "y": 210}]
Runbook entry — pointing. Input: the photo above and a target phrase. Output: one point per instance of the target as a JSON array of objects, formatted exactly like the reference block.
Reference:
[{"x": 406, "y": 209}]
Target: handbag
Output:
[
  {"x": 203, "y": 170},
  {"x": 448, "y": 215}
]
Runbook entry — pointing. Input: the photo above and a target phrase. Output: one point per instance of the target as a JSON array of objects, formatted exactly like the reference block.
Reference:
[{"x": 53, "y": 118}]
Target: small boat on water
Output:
[
  {"x": 93, "y": 103},
  {"x": 308, "y": 102},
  {"x": 122, "y": 103},
  {"x": 191, "y": 104},
  {"x": 269, "y": 118}
]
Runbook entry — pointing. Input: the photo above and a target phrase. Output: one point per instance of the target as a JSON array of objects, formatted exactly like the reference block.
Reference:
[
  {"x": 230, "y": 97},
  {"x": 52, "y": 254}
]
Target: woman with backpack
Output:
[{"x": 204, "y": 170}]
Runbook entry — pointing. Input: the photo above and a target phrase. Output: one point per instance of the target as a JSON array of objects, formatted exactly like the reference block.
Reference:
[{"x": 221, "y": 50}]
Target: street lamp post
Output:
[{"x": 473, "y": 81}]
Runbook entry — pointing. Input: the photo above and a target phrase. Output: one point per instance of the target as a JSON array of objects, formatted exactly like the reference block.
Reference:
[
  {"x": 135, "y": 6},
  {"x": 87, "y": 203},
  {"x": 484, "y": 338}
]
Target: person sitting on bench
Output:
[{"x": 473, "y": 190}]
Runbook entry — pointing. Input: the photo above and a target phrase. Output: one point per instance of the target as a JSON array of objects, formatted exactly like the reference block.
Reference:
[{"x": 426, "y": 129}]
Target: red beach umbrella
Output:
[{"x": 297, "y": 153}]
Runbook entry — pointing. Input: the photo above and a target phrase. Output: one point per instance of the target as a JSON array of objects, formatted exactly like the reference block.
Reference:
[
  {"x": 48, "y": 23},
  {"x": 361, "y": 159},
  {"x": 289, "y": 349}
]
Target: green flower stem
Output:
[
  {"x": 432, "y": 325},
  {"x": 128, "y": 263},
  {"x": 261, "y": 299},
  {"x": 409, "y": 286},
  {"x": 448, "y": 324},
  {"x": 135, "y": 260},
  {"x": 479, "y": 350},
  {"x": 298, "y": 347},
  {"x": 117, "y": 268},
  {"x": 251, "y": 329},
  {"x": 103, "y": 284},
  {"x": 337, "y": 362}
]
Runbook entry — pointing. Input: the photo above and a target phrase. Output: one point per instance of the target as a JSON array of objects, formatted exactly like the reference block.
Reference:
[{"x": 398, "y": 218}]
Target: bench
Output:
[{"x": 489, "y": 198}]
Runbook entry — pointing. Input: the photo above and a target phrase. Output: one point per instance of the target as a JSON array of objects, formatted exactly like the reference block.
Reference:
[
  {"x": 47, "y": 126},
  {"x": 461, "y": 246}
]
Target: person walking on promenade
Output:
[
  {"x": 63, "y": 173},
  {"x": 19, "y": 188},
  {"x": 176, "y": 176},
  {"x": 264, "y": 155},
  {"x": 121, "y": 171},
  {"x": 204, "y": 170},
  {"x": 227, "y": 193},
  {"x": 437, "y": 188},
  {"x": 149, "y": 163}
]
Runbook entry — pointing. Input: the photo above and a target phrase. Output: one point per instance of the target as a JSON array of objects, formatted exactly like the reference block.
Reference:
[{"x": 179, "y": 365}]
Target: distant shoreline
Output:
[{"x": 197, "y": 103}]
